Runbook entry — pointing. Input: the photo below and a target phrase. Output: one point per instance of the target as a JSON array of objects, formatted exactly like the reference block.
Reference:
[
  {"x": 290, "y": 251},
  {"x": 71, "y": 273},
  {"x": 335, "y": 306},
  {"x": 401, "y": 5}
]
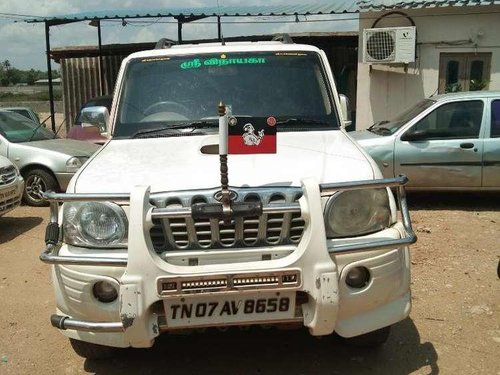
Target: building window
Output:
[{"x": 464, "y": 72}]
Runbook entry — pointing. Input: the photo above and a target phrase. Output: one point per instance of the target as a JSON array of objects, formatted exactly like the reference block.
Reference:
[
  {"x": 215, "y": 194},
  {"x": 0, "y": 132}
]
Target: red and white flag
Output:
[{"x": 251, "y": 135}]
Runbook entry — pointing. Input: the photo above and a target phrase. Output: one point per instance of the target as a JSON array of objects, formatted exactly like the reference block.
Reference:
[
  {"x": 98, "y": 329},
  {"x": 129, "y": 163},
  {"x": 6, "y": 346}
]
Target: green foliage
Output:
[
  {"x": 26, "y": 97},
  {"x": 10, "y": 75},
  {"x": 453, "y": 87},
  {"x": 477, "y": 84}
]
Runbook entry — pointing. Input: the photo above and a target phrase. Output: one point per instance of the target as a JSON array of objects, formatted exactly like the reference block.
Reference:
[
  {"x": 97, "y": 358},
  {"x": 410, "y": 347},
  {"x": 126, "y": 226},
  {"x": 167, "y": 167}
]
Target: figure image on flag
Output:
[{"x": 251, "y": 136}]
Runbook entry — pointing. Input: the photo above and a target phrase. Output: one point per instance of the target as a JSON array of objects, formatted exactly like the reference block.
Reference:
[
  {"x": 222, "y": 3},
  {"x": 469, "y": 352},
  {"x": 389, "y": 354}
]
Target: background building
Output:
[{"x": 457, "y": 49}]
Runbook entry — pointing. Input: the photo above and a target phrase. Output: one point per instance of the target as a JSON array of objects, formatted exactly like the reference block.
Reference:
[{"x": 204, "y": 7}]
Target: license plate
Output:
[
  {"x": 8, "y": 194},
  {"x": 223, "y": 309}
]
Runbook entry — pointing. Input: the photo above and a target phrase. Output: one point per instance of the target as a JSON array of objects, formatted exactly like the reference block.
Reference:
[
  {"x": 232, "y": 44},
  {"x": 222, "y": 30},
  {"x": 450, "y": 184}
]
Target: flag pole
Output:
[{"x": 224, "y": 179}]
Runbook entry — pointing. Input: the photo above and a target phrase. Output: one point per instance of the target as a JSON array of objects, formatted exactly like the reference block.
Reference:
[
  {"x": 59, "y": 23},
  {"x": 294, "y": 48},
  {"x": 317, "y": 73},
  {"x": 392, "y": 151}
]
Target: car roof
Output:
[
  {"x": 223, "y": 48},
  {"x": 466, "y": 95}
]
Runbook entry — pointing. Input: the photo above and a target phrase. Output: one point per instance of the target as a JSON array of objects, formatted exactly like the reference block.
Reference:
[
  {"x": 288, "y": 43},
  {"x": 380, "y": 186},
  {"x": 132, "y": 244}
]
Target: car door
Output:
[
  {"x": 491, "y": 155},
  {"x": 444, "y": 148}
]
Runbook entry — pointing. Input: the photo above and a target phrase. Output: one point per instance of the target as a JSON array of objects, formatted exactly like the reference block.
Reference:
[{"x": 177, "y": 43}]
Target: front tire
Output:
[
  {"x": 36, "y": 182},
  {"x": 94, "y": 351},
  {"x": 372, "y": 339}
]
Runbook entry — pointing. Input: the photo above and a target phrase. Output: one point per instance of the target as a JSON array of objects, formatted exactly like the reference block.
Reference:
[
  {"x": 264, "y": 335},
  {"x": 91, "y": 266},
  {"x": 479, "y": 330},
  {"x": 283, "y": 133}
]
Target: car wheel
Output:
[
  {"x": 37, "y": 182},
  {"x": 371, "y": 339},
  {"x": 94, "y": 351}
]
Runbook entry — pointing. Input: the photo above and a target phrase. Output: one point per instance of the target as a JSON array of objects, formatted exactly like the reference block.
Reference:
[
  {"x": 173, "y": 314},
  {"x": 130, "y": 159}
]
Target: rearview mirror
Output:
[
  {"x": 417, "y": 135},
  {"x": 346, "y": 111},
  {"x": 95, "y": 116}
]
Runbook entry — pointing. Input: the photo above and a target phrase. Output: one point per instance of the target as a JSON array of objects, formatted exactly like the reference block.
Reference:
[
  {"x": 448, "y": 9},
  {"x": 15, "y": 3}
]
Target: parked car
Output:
[
  {"x": 83, "y": 130},
  {"x": 450, "y": 141},
  {"x": 11, "y": 186},
  {"x": 302, "y": 231},
  {"x": 25, "y": 111},
  {"x": 45, "y": 163}
]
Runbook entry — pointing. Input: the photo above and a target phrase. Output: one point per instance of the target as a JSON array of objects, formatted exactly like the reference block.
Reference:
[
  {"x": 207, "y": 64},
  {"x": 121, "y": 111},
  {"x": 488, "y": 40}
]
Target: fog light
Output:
[
  {"x": 358, "y": 277},
  {"x": 105, "y": 291}
]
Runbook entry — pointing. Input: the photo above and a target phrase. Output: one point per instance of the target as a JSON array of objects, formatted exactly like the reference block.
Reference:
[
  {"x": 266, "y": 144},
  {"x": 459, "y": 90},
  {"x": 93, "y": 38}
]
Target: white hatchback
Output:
[{"x": 11, "y": 186}]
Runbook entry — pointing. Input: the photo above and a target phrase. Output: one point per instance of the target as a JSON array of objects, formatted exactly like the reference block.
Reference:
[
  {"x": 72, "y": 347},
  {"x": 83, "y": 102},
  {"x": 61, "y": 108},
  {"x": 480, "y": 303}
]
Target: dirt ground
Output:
[{"x": 454, "y": 327}]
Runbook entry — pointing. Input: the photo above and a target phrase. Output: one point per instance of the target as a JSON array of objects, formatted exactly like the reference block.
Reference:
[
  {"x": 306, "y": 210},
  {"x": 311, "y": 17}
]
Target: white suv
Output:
[
  {"x": 151, "y": 239},
  {"x": 11, "y": 186}
]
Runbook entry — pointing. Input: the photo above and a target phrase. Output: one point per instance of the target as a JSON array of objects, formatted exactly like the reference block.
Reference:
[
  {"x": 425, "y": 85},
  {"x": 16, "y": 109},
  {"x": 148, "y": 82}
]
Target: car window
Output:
[
  {"x": 495, "y": 119},
  {"x": 17, "y": 128},
  {"x": 176, "y": 89},
  {"x": 452, "y": 120}
]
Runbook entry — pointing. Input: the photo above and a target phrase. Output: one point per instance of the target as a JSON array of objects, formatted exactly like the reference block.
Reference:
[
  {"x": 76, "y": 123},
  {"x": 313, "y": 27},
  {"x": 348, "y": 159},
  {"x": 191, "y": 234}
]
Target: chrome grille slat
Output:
[
  {"x": 273, "y": 229},
  {"x": 7, "y": 175}
]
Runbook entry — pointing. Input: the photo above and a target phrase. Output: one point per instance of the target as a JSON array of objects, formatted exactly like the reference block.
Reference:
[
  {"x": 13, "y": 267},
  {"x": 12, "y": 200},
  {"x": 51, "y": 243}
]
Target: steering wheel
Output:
[{"x": 166, "y": 106}]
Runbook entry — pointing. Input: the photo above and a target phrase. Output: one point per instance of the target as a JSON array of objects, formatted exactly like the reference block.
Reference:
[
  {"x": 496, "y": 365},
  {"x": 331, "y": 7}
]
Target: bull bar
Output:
[{"x": 50, "y": 253}]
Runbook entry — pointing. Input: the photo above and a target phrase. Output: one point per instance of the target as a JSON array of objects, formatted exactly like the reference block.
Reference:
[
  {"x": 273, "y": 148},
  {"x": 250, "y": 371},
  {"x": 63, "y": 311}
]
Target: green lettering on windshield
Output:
[{"x": 214, "y": 61}]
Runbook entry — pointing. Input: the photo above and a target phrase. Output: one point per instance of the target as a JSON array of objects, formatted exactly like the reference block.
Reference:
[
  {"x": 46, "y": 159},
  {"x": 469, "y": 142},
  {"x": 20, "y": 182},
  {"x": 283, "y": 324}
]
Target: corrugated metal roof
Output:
[
  {"x": 332, "y": 7},
  {"x": 376, "y": 5}
]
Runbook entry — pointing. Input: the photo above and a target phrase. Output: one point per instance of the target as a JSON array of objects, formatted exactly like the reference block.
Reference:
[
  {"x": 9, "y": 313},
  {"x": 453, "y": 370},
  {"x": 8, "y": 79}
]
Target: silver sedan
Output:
[
  {"x": 46, "y": 163},
  {"x": 446, "y": 142}
]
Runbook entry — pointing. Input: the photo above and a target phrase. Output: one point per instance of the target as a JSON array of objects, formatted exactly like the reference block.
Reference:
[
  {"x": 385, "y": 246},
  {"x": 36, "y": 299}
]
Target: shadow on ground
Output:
[
  {"x": 467, "y": 201},
  {"x": 272, "y": 351},
  {"x": 11, "y": 227}
]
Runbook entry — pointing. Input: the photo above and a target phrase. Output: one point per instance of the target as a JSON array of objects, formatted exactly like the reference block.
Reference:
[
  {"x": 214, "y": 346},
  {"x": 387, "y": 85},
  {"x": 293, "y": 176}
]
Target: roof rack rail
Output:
[
  {"x": 284, "y": 38},
  {"x": 165, "y": 43}
]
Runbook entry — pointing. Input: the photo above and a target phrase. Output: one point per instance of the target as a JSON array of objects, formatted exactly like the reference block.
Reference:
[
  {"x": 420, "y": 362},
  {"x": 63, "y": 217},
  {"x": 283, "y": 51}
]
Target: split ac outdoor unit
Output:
[{"x": 389, "y": 45}]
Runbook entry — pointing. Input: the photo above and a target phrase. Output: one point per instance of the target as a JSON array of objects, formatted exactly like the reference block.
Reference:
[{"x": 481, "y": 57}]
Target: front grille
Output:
[
  {"x": 9, "y": 204},
  {"x": 188, "y": 234},
  {"x": 7, "y": 175}
]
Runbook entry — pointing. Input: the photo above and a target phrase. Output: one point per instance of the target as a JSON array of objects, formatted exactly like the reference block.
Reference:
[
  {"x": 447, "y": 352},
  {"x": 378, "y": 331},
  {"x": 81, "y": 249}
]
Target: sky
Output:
[{"x": 23, "y": 44}]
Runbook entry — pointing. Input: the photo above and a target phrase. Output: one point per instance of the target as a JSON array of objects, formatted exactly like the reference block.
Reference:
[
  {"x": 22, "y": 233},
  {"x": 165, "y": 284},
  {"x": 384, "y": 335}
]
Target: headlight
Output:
[
  {"x": 95, "y": 224},
  {"x": 357, "y": 212},
  {"x": 74, "y": 163}
]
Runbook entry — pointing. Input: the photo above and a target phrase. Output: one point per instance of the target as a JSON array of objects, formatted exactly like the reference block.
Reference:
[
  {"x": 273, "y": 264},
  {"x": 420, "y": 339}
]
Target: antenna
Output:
[{"x": 219, "y": 25}]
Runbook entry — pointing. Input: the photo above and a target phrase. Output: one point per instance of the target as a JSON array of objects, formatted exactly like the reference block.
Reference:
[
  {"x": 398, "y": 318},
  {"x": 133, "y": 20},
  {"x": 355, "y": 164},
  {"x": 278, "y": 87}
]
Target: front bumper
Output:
[
  {"x": 322, "y": 265},
  {"x": 11, "y": 195}
]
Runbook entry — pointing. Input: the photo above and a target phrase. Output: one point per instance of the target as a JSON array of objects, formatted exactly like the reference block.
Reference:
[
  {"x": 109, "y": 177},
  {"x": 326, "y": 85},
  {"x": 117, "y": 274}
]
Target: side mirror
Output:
[
  {"x": 95, "y": 116},
  {"x": 345, "y": 107},
  {"x": 417, "y": 135}
]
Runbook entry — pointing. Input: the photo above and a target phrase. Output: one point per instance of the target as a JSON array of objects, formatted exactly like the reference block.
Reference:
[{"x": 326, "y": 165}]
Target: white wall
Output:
[{"x": 386, "y": 90}]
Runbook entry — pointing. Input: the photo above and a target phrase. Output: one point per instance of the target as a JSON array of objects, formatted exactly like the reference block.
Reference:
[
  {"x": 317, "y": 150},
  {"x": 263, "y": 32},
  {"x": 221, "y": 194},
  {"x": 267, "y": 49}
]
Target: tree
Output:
[{"x": 31, "y": 76}]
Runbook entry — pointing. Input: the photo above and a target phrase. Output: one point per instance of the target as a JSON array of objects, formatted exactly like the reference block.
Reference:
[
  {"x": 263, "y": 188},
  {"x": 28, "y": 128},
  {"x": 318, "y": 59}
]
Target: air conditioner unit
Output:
[{"x": 389, "y": 45}]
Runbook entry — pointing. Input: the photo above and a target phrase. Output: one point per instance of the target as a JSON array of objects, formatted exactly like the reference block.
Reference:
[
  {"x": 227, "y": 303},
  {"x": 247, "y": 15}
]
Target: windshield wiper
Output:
[
  {"x": 302, "y": 121},
  {"x": 377, "y": 124},
  {"x": 185, "y": 125},
  {"x": 382, "y": 130}
]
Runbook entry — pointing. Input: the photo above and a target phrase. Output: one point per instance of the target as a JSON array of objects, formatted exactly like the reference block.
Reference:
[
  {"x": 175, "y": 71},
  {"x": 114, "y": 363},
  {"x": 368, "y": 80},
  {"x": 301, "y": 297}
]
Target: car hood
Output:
[
  {"x": 65, "y": 146},
  {"x": 366, "y": 138},
  {"x": 177, "y": 163},
  {"x": 4, "y": 162}
]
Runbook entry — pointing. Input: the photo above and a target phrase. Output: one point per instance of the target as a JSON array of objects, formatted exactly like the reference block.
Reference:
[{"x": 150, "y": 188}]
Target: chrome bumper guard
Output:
[
  {"x": 65, "y": 322},
  {"x": 50, "y": 254}
]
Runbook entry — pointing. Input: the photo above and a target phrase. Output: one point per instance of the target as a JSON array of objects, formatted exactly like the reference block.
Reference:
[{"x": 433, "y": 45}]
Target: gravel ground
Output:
[{"x": 454, "y": 327}]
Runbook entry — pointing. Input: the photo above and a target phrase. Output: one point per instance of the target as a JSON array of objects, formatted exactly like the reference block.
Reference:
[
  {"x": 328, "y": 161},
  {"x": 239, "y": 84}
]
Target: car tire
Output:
[
  {"x": 371, "y": 339},
  {"x": 94, "y": 351},
  {"x": 36, "y": 182}
]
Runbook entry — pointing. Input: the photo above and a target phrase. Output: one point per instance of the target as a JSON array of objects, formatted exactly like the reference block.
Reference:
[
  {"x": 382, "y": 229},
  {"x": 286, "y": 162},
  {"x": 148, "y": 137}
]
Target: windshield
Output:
[
  {"x": 388, "y": 127},
  {"x": 17, "y": 128},
  {"x": 185, "y": 90}
]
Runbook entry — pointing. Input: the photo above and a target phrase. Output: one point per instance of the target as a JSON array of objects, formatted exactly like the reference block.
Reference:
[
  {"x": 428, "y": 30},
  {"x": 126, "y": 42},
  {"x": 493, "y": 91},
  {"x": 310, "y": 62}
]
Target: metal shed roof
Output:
[
  {"x": 332, "y": 7},
  {"x": 377, "y": 5}
]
